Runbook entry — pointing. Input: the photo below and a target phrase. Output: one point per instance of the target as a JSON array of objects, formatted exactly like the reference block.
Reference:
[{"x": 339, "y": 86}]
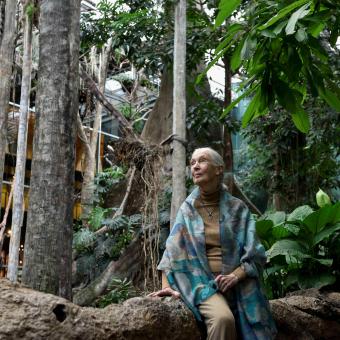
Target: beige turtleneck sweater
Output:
[{"x": 208, "y": 207}]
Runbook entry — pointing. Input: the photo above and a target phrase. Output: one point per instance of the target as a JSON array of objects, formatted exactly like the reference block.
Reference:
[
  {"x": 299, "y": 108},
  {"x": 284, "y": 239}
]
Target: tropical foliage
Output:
[
  {"x": 302, "y": 247},
  {"x": 282, "y": 46}
]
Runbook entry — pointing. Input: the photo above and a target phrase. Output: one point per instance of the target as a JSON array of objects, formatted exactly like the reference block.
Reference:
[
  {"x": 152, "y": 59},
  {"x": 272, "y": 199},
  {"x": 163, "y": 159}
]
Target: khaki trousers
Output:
[{"x": 218, "y": 318}]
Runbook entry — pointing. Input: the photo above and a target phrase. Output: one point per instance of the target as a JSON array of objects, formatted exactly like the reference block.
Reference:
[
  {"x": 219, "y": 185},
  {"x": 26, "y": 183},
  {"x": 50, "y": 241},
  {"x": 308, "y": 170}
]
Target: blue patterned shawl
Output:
[{"x": 186, "y": 265}]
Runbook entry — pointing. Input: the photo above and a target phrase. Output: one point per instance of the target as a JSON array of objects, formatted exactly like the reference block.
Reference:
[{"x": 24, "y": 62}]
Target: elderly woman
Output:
[{"x": 213, "y": 259}]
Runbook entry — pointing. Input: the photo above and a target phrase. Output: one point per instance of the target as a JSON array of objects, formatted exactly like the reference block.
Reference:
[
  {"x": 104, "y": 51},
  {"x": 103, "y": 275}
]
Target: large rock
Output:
[
  {"x": 307, "y": 314},
  {"x": 26, "y": 314}
]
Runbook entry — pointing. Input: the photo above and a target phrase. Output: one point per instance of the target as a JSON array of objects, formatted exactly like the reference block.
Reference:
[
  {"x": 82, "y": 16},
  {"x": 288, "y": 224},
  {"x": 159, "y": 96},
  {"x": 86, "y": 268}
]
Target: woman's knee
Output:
[{"x": 226, "y": 319}]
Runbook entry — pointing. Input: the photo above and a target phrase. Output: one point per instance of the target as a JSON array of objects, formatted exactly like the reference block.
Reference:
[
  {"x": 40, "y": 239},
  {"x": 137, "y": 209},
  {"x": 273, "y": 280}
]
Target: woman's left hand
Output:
[{"x": 225, "y": 282}]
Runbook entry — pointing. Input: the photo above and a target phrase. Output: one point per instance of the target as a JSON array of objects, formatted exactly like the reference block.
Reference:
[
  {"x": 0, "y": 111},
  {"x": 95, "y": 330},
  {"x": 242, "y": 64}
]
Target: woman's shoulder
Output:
[{"x": 232, "y": 201}]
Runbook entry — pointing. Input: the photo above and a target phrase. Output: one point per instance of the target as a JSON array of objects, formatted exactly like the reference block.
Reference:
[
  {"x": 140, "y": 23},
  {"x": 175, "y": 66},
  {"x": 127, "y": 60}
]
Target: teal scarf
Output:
[{"x": 186, "y": 265}]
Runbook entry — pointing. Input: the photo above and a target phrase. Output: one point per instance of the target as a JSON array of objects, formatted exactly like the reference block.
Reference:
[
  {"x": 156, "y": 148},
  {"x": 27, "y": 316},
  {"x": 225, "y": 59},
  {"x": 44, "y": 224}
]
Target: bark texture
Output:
[
  {"x": 18, "y": 195},
  {"x": 179, "y": 111},
  {"x": 7, "y": 39},
  {"x": 159, "y": 124},
  {"x": 48, "y": 250},
  {"x": 30, "y": 315}
]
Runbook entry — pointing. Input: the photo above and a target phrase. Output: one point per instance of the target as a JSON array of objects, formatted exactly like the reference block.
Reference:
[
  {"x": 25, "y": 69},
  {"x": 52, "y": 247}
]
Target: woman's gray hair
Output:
[{"x": 216, "y": 158}]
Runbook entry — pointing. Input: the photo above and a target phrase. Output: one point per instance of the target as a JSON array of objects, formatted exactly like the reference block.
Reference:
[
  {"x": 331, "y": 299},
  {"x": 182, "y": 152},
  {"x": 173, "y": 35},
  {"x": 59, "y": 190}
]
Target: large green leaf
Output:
[
  {"x": 301, "y": 120},
  {"x": 331, "y": 98},
  {"x": 278, "y": 217},
  {"x": 282, "y": 13},
  {"x": 236, "y": 60},
  {"x": 300, "y": 13},
  {"x": 287, "y": 247},
  {"x": 326, "y": 232},
  {"x": 263, "y": 228},
  {"x": 231, "y": 31},
  {"x": 248, "y": 47},
  {"x": 300, "y": 213},
  {"x": 251, "y": 109},
  {"x": 280, "y": 232},
  {"x": 316, "y": 221},
  {"x": 226, "y": 8}
]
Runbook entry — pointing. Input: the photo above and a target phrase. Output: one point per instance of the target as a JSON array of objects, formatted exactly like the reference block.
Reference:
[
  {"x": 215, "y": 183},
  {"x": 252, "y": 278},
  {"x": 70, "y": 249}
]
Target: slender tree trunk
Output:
[
  {"x": 7, "y": 39},
  {"x": 179, "y": 111},
  {"x": 18, "y": 196},
  {"x": 228, "y": 145},
  {"x": 48, "y": 245},
  {"x": 90, "y": 160},
  {"x": 4, "y": 220}
]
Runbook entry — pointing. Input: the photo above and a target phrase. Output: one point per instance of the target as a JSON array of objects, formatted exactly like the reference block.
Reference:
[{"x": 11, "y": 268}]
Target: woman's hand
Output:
[
  {"x": 168, "y": 291},
  {"x": 225, "y": 282}
]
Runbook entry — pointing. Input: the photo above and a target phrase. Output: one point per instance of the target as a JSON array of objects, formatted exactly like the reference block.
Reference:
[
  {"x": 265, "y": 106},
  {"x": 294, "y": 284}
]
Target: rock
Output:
[
  {"x": 26, "y": 314},
  {"x": 307, "y": 314}
]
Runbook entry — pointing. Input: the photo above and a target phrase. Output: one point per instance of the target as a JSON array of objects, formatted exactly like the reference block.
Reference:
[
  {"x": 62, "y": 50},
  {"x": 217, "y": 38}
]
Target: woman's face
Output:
[{"x": 204, "y": 173}]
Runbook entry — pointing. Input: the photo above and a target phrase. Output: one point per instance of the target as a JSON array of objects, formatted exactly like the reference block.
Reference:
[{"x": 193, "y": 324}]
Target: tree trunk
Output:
[
  {"x": 48, "y": 248},
  {"x": 179, "y": 111},
  {"x": 159, "y": 124},
  {"x": 18, "y": 196},
  {"x": 228, "y": 146},
  {"x": 87, "y": 190},
  {"x": 7, "y": 39}
]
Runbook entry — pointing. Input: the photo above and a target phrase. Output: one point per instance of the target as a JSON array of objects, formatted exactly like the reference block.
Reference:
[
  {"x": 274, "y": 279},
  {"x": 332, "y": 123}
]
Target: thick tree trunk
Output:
[
  {"x": 87, "y": 190},
  {"x": 18, "y": 196},
  {"x": 7, "y": 39},
  {"x": 48, "y": 248},
  {"x": 179, "y": 111},
  {"x": 159, "y": 124},
  {"x": 26, "y": 314}
]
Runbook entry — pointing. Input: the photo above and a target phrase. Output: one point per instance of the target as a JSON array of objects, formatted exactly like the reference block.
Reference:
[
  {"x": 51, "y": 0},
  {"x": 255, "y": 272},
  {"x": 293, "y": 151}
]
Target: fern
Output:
[{"x": 84, "y": 240}]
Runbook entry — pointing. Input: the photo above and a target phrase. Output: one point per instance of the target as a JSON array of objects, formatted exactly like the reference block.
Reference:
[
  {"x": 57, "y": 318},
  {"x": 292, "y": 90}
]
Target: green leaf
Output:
[
  {"x": 301, "y": 35},
  {"x": 300, "y": 13},
  {"x": 323, "y": 234},
  {"x": 236, "y": 60},
  {"x": 280, "y": 232},
  {"x": 316, "y": 28},
  {"x": 231, "y": 31},
  {"x": 316, "y": 221},
  {"x": 301, "y": 120},
  {"x": 236, "y": 101},
  {"x": 331, "y": 99},
  {"x": 278, "y": 217},
  {"x": 287, "y": 247},
  {"x": 268, "y": 34},
  {"x": 300, "y": 213},
  {"x": 277, "y": 30},
  {"x": 226, "y": 8},
  {"x": 263, "y": 228},
  {"x": 282, "y": 13},
  {"x": 251, "y": 109},
  {"x": 248, "y": 48},
  {"x": 324, "y": 262}
]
